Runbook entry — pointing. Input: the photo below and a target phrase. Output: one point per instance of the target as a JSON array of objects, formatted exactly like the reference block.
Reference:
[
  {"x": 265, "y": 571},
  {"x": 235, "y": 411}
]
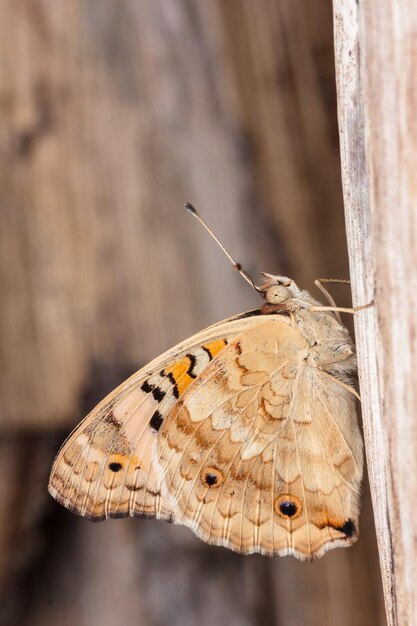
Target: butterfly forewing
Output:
[{"x": 106, "y": 467}]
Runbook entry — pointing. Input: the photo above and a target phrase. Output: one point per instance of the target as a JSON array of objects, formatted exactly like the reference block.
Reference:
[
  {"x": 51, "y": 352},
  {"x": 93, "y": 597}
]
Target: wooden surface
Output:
[
  {"x": 376, "y": 65},
  {"x": 112, "y": 117}
]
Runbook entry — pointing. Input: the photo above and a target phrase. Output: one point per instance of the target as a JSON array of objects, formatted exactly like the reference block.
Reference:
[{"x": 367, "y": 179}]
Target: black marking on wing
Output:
[
  {"x": 208, "y": 352},
  {"x": 110, "y": 419},
  {"x": 134, "y": 487},
  {"x": 147, "y": 387},
  {"x": 156, "y": 391},
  {"x": 348, "y": 528},
  {"x": 156, "y": 421},
  {"x": 158, "y": 394},
  {"x": 193, "y": 362},
  {"x": 174, "y": 385}
]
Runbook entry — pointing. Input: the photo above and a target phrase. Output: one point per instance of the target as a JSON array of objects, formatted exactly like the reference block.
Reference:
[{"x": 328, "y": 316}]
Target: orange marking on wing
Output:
[
  {"x": 179, "y": 372},
  {"x": 214, "y": 347}
]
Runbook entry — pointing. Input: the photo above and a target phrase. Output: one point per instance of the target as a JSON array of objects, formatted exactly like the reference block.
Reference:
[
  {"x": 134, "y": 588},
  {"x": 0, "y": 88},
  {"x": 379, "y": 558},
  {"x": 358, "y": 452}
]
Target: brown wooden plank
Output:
[
  {"x": 377, "y": 64},
  {"x": 113, "y": 117}
]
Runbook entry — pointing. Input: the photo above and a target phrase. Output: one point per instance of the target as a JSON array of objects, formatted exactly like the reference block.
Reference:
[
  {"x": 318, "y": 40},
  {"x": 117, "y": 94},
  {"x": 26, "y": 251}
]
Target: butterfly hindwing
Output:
[{"x": 259, "y": 454}]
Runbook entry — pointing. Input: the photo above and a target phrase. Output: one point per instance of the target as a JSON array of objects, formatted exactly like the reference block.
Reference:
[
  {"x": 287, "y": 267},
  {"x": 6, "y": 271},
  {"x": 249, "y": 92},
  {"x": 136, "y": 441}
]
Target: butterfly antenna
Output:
[{"x": 236, "y": 265}]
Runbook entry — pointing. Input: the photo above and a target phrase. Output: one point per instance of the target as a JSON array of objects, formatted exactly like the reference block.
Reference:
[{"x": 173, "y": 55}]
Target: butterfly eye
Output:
[
  {"x": 278, "y": 294},
  {"x": 288, "y": 506},
  {"x": 211, "y": 477}
]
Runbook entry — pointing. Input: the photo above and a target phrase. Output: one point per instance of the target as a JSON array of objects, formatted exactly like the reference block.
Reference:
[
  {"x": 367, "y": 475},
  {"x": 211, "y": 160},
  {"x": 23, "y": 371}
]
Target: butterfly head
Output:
[{"x": 279, "y": 289}]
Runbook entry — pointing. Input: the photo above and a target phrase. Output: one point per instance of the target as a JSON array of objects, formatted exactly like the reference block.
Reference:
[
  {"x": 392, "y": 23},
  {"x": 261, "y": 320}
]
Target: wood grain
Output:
[
  {"x": 112, "y": 117},
  {"x": 376, "y": 64}
]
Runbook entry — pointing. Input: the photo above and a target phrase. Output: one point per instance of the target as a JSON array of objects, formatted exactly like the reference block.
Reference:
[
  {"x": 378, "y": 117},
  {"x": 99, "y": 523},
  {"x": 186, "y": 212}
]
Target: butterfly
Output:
[{"x": 246, "y": 433}]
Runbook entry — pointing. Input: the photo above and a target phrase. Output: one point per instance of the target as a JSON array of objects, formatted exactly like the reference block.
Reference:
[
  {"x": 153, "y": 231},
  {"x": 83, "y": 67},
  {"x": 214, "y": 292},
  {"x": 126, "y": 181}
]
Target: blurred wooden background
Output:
[{"x": 112, "y": 115}]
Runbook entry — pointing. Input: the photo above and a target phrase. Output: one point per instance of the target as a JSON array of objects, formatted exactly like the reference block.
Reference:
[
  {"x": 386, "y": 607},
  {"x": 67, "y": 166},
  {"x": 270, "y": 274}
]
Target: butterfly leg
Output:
[
  {"x": 341, "y": 383},
  {"x": 352, "y": 310},
  {"x": 333, "y": 307},
  {"x": 319, "y": 284},
  {"x": 338, "y": 357}
]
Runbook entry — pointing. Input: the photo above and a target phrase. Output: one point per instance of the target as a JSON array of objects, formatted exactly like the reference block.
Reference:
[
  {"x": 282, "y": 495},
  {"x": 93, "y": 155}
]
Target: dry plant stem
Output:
[{"x": 376, "y": 65}]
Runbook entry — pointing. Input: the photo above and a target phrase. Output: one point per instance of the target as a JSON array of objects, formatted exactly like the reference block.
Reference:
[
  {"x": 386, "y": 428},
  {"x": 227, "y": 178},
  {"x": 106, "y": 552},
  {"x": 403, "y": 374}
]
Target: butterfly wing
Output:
[
  {"x": 262, "y": 453},
  {"x": 106, "y": 467}
]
